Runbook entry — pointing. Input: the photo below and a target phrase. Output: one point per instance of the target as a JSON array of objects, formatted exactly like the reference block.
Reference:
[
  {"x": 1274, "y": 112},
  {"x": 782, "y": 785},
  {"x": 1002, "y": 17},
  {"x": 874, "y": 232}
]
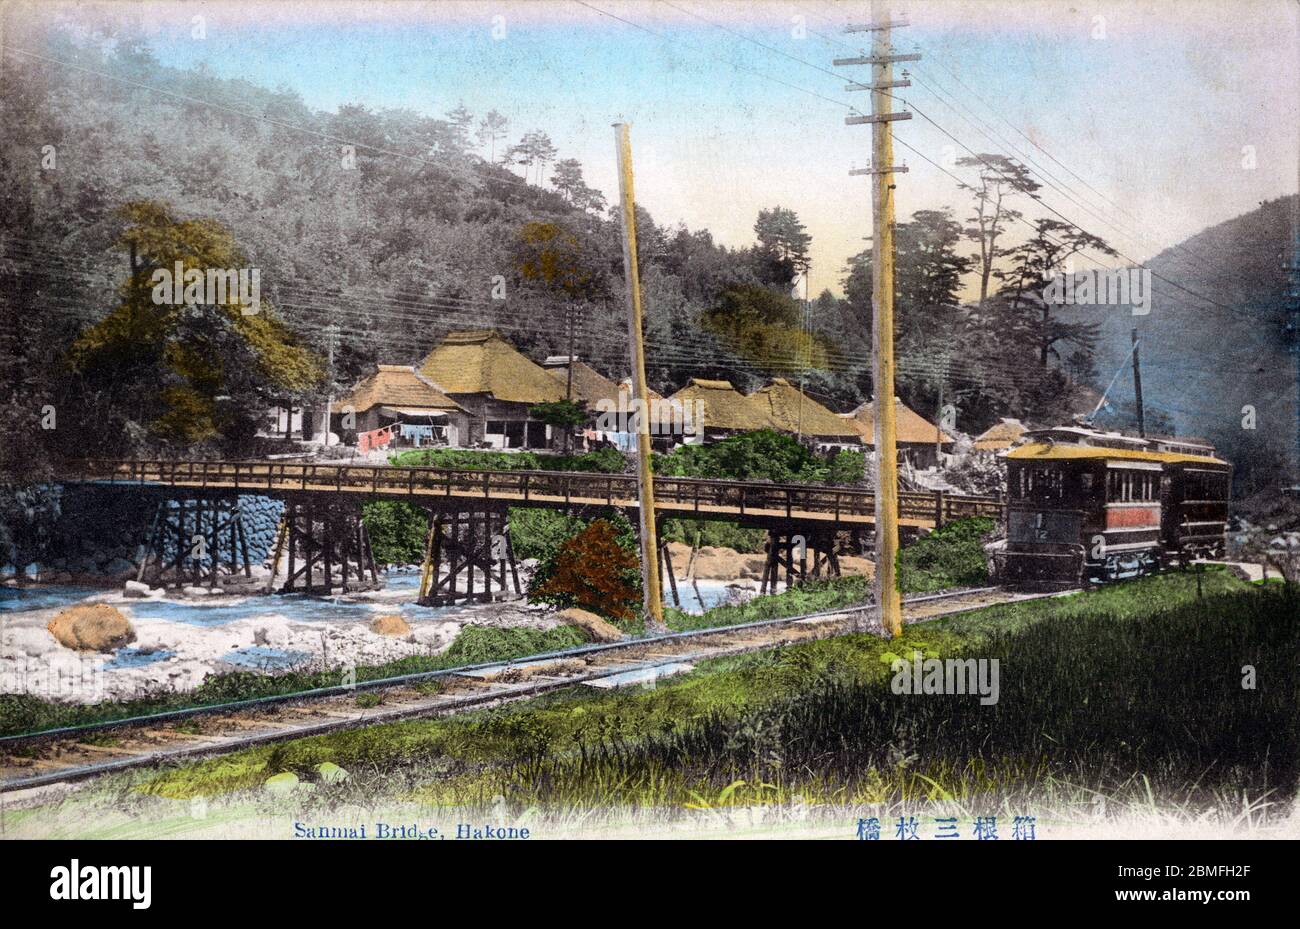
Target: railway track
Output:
[{"x": 83, "y": 752}]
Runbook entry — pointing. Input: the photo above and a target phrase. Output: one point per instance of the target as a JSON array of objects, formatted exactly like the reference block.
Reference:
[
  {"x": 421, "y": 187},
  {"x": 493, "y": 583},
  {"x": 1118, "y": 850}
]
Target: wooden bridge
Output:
[
  {"x": 751, "y": 503},
  {"x": 325, "y": 539}
]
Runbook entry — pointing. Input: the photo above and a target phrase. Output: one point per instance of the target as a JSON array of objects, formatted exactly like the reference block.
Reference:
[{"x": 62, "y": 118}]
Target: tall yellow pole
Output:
[
  {"x": 654, "y": 607},
  {"x": 888, "y": 599}
]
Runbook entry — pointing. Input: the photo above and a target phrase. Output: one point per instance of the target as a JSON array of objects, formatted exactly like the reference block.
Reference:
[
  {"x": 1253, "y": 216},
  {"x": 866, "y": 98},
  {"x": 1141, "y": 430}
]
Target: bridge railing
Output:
[{"x": 581, "y": 487}]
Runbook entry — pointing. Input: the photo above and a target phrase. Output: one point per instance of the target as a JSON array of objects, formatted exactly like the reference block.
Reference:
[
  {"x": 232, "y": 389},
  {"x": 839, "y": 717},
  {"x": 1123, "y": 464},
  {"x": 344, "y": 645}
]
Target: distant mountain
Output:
[{"x": 1203, "y": 361}]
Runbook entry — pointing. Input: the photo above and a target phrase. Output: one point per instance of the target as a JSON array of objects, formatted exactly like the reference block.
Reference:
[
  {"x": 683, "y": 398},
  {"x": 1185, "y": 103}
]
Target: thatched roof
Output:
[
  {"x": 911, "y": 426},
  {"x": 794, "y": 411},
  {"x": 1000, "y": 435},
  {"x": 725, "y": 407},
  {"x": 589, "y": 385},
  {"x": 625, "y": 387},
  {"x": 396, "y": 386},
  {"x": 479, "y": 361}
]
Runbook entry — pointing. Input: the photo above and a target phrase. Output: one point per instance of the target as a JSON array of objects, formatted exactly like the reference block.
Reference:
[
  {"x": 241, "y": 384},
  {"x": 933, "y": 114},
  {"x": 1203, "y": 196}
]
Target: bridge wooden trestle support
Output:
[
  {"x": 195, "y": 539},
  {"x": 326, "y": 546},
  {"x": 463, "y": 549},
  {"x": 666, "y": 566},
  {"x": 790, "y": 550}
]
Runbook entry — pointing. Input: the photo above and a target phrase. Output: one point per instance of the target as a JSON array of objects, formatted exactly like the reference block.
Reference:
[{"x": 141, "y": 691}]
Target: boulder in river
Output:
[
  {"x": 94, "y": 627},
  {"x": 390, "y": 624}
]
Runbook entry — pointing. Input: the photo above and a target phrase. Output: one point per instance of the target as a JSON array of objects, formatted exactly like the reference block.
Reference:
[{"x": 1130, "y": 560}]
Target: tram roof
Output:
[{"x": 1043, "y": 451}]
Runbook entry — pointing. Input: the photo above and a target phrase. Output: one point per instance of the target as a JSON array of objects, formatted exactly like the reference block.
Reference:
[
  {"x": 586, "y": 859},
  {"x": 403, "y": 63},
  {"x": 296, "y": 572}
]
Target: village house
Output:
[
  {"x": 603, "y": 397},
  {"x": 589, "y": 385},
  {"x": 397, "y": 406},
  {"x": 496, "y": 385},
  {"x": 916, "y": 436},
  {"x": 793, "y": 411},
  {"x": 1000, "y": 436},
  {"x": 282, "y": 420},
  {"x": 724, "y": 411},
  {"x": 594, "y": 392}
]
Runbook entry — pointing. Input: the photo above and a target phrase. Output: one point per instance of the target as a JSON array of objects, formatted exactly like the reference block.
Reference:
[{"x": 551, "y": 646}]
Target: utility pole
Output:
[
  {"x": 938, "y": 425},
  {"x": 882, "y": 171},
  {"x": 1137, "y": 387},
  {"x": 804, "y": 353},
  {"x": 1293, "y": 324},
  {"x": 329, "y": 399},
  {"x": 654, "y": 607},
  {"x": 568, "y": 387}
]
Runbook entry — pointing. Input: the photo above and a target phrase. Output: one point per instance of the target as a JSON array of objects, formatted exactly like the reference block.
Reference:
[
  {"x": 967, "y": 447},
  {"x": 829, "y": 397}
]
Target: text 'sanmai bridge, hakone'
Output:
[{"x": 467, "y": 512}]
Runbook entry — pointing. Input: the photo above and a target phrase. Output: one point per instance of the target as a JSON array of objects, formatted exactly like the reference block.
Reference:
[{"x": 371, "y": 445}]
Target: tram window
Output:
[
  {"x": 1131, "y": 486},
  {"x": 1041, "y": 484},
  {"x": 1201, "y": 486}
]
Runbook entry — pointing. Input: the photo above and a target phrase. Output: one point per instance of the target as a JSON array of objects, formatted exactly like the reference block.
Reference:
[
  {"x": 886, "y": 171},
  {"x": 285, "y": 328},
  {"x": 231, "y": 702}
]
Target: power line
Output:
[
  {"x": 1042, "y": 172},
  {"x": 954, "y": 138}
]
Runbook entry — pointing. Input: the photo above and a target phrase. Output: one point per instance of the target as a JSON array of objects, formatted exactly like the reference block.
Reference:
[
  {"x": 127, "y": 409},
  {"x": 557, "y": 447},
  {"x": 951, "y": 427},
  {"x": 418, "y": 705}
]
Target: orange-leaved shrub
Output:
[{"x": 593, "y": 571}]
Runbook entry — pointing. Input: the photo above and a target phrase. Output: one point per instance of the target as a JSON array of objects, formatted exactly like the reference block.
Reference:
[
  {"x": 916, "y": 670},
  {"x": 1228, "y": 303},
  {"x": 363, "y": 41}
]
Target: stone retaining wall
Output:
[{"x": 102, "y": 533}]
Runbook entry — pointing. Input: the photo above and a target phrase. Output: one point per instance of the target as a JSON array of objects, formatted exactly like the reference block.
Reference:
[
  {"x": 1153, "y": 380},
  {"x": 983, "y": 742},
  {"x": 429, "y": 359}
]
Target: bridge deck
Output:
[{"x": 741, "y": 501}]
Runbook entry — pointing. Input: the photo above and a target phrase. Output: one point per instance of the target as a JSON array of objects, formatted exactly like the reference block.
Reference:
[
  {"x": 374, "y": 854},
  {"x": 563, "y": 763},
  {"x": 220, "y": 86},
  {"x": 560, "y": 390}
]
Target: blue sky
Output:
[{"x": 1151, "y": 104}]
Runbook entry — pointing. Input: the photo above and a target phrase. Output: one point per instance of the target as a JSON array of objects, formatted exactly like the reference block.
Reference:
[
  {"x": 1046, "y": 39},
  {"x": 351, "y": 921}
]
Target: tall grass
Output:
[{"x": 1100, "y": 703}]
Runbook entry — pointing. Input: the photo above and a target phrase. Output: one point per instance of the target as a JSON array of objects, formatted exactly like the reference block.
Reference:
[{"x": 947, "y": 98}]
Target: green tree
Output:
[
  {"x": 999, "y": 181},
  {"x": 187, "y": 372},
  {"x": 562, "y": 413},
  {"x": 929, "y": 322},
  {"x": 568, "y": 180},
  {"x": 534, "y": 150},
  {"x": 766, "y": 326},
  {"x": 783, "y": 245},
  {"x": 491, "y": 130},
  {"x": 1035, "y": 319},
  {"x": 460, "y": 120}
]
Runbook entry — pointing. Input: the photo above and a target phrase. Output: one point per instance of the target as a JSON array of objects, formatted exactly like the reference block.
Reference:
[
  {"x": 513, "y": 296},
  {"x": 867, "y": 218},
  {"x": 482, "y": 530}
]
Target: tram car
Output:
[{"x": 1085, "y": 506}]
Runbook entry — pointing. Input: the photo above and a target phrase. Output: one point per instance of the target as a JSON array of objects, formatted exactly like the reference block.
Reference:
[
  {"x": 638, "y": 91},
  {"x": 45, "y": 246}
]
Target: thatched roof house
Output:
[
  {"x": 916, "y": 436},
  {"x": 479, "y": 361},
  {"x": 399, "y": 388},
  {"x": 625, "y": 389},
  {"x": 399, "y": 399},
  {"x": 497, "y": 384},
  {"x": 791, "y": 410},
  {"x": 725, "y": 409},
  {"x": 1000, "y": 436},
  {"x": 589, "y": 385}
]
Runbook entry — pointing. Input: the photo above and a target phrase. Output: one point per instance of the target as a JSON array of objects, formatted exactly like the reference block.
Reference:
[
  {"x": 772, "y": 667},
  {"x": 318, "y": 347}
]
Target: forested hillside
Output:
[
  {"x": 384, "y": 230},
  {"x": 379, "y": 231},
  {"x": 1205, "y": 363}
]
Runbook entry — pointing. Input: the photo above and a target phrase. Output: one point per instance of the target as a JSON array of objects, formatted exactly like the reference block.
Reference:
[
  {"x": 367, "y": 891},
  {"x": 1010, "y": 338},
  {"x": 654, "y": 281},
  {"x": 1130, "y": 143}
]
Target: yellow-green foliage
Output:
[{"x": 187, "y": 363}]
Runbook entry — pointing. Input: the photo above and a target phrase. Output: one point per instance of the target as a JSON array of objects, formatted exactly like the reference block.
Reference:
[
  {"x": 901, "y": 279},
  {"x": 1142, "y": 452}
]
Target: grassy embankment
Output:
[{"x": 1131, "y": 688}]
